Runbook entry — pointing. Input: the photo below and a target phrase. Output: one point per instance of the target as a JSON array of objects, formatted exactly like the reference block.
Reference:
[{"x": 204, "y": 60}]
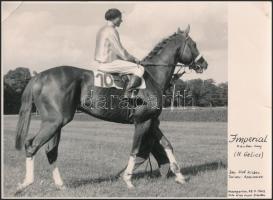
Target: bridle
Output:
[{"x": 194, "y": 63}]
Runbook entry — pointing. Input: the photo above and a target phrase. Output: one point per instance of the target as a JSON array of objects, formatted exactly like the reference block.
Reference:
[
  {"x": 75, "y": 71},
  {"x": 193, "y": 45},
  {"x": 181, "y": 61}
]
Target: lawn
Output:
[{"x": 92, "y": 152}]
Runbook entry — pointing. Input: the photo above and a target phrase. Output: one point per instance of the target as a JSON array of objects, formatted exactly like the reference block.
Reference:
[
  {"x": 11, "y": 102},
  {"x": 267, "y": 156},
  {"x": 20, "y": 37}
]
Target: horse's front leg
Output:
[
  {"x": 169, "y": 151},
  {"x": 141, "y": 128}
]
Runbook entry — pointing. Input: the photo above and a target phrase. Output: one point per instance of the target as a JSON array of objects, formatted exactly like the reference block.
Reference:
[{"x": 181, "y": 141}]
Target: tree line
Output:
[{"x": 195, "y": 92}]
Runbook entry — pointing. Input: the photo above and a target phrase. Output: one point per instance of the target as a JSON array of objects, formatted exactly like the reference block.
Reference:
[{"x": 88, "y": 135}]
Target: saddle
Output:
[{"x": 116, "y": 80}]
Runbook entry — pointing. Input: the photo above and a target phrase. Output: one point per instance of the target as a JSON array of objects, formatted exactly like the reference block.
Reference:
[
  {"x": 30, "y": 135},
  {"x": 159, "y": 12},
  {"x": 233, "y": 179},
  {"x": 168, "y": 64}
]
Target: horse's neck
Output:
[{"x": 163, "y": 69}]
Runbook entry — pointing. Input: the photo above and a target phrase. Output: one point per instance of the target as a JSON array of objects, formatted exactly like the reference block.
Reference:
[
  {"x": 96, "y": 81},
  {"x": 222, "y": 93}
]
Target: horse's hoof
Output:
[
  {"x": 128, "y": 181},
  {"x": 181, "y": 180},
  {"x": 22, "y": 186},
  {"x": 61, "y": 187},
  {"x": 129, "y": 185}
]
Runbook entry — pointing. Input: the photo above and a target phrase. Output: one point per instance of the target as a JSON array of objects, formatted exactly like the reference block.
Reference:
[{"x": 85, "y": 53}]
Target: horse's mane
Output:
[{"x": 160, "y": 45}]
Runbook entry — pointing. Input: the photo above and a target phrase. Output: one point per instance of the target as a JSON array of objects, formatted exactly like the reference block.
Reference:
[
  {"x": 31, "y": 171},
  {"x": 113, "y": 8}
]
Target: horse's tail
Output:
[{"x": 24, "y": 116}]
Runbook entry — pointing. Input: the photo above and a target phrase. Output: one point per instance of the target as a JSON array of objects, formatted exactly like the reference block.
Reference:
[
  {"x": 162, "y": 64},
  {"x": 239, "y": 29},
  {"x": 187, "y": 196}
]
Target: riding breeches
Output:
[{"x": 121, "y": 66}]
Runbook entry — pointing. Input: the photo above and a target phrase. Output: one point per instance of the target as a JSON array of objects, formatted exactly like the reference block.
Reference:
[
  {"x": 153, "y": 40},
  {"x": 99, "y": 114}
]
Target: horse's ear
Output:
[
  {"x": 179, "y": 30},
  {"x": 187, "y": 30}
]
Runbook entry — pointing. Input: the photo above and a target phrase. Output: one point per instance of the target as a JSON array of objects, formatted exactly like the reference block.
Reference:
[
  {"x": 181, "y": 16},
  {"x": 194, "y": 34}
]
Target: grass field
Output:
[
  {"x": 189, "y": 114},
  {"x": 92, "y": 152}
]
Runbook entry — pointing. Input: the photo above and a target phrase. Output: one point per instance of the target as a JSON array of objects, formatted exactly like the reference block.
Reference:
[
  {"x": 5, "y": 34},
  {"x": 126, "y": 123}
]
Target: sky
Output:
[{"x": 42, "y": 35}]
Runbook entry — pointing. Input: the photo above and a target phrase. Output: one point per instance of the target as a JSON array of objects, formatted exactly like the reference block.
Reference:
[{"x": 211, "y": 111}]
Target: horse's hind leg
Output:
[
  {"x": 52, "y": 154},
  {"x": 47, "y": 130},
  {"x": 169, "y": 151}
]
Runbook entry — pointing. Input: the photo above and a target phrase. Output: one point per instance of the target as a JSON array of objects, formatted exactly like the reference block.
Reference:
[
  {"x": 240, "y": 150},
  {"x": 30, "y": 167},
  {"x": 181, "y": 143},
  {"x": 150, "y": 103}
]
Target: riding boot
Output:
[{"x": 134, "y": 82}]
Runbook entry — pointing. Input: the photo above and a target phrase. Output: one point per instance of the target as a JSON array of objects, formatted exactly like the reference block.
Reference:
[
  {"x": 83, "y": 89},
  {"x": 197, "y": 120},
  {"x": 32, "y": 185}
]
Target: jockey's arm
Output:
[{"x": 119, "y": 49}]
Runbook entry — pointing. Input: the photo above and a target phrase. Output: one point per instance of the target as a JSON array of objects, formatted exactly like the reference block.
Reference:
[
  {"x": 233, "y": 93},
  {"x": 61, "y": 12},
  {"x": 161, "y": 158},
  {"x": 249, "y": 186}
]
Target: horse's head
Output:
[{"x": 189, "y": 53}]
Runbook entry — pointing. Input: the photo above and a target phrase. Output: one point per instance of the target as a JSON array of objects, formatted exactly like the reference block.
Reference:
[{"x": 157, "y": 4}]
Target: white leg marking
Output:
[
  {"x": 29, "y": 169},
  {"x": 29, "y": 179},
  {"x": 170, "y": 155},
  {"x": 179, "y": 177},
  {"x": 127, "y": 176},
  {"x": 57, "y": 177}
]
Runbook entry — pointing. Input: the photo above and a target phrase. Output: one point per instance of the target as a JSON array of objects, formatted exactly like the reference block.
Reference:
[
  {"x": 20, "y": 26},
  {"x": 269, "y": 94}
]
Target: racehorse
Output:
[{"x": 59, "y": 91}]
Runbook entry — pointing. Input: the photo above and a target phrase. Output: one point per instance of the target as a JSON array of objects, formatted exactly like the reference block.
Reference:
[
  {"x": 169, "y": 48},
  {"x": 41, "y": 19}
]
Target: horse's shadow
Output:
[{"x": 188, "y": 171}]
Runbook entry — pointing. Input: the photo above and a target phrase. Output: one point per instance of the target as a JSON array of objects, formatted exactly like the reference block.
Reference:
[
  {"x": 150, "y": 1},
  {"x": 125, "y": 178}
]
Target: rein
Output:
[{"x": 175, "y": 76}]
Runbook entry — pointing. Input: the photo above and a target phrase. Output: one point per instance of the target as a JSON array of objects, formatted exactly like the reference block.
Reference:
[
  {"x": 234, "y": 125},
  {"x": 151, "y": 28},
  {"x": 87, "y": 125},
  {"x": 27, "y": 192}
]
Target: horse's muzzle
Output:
[{"x": 200, "y": 67}]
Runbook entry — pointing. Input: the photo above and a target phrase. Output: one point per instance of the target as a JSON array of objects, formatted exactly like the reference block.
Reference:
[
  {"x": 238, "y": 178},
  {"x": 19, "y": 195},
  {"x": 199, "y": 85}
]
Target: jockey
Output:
[{"x": 112, "y": 56}]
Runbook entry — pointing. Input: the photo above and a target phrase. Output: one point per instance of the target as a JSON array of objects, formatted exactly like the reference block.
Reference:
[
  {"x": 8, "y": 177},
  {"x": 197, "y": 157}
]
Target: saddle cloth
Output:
[{"x": 116, "y": 80}]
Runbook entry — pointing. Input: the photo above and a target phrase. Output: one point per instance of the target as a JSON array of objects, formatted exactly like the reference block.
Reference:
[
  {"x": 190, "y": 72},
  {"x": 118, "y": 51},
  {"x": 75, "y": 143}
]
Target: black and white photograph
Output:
[{"x": 115, "y": 99}]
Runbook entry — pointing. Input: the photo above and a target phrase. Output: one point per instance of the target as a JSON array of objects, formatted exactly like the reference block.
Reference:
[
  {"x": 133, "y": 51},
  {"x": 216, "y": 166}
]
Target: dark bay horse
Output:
[{"x": 59, "y": 91}]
